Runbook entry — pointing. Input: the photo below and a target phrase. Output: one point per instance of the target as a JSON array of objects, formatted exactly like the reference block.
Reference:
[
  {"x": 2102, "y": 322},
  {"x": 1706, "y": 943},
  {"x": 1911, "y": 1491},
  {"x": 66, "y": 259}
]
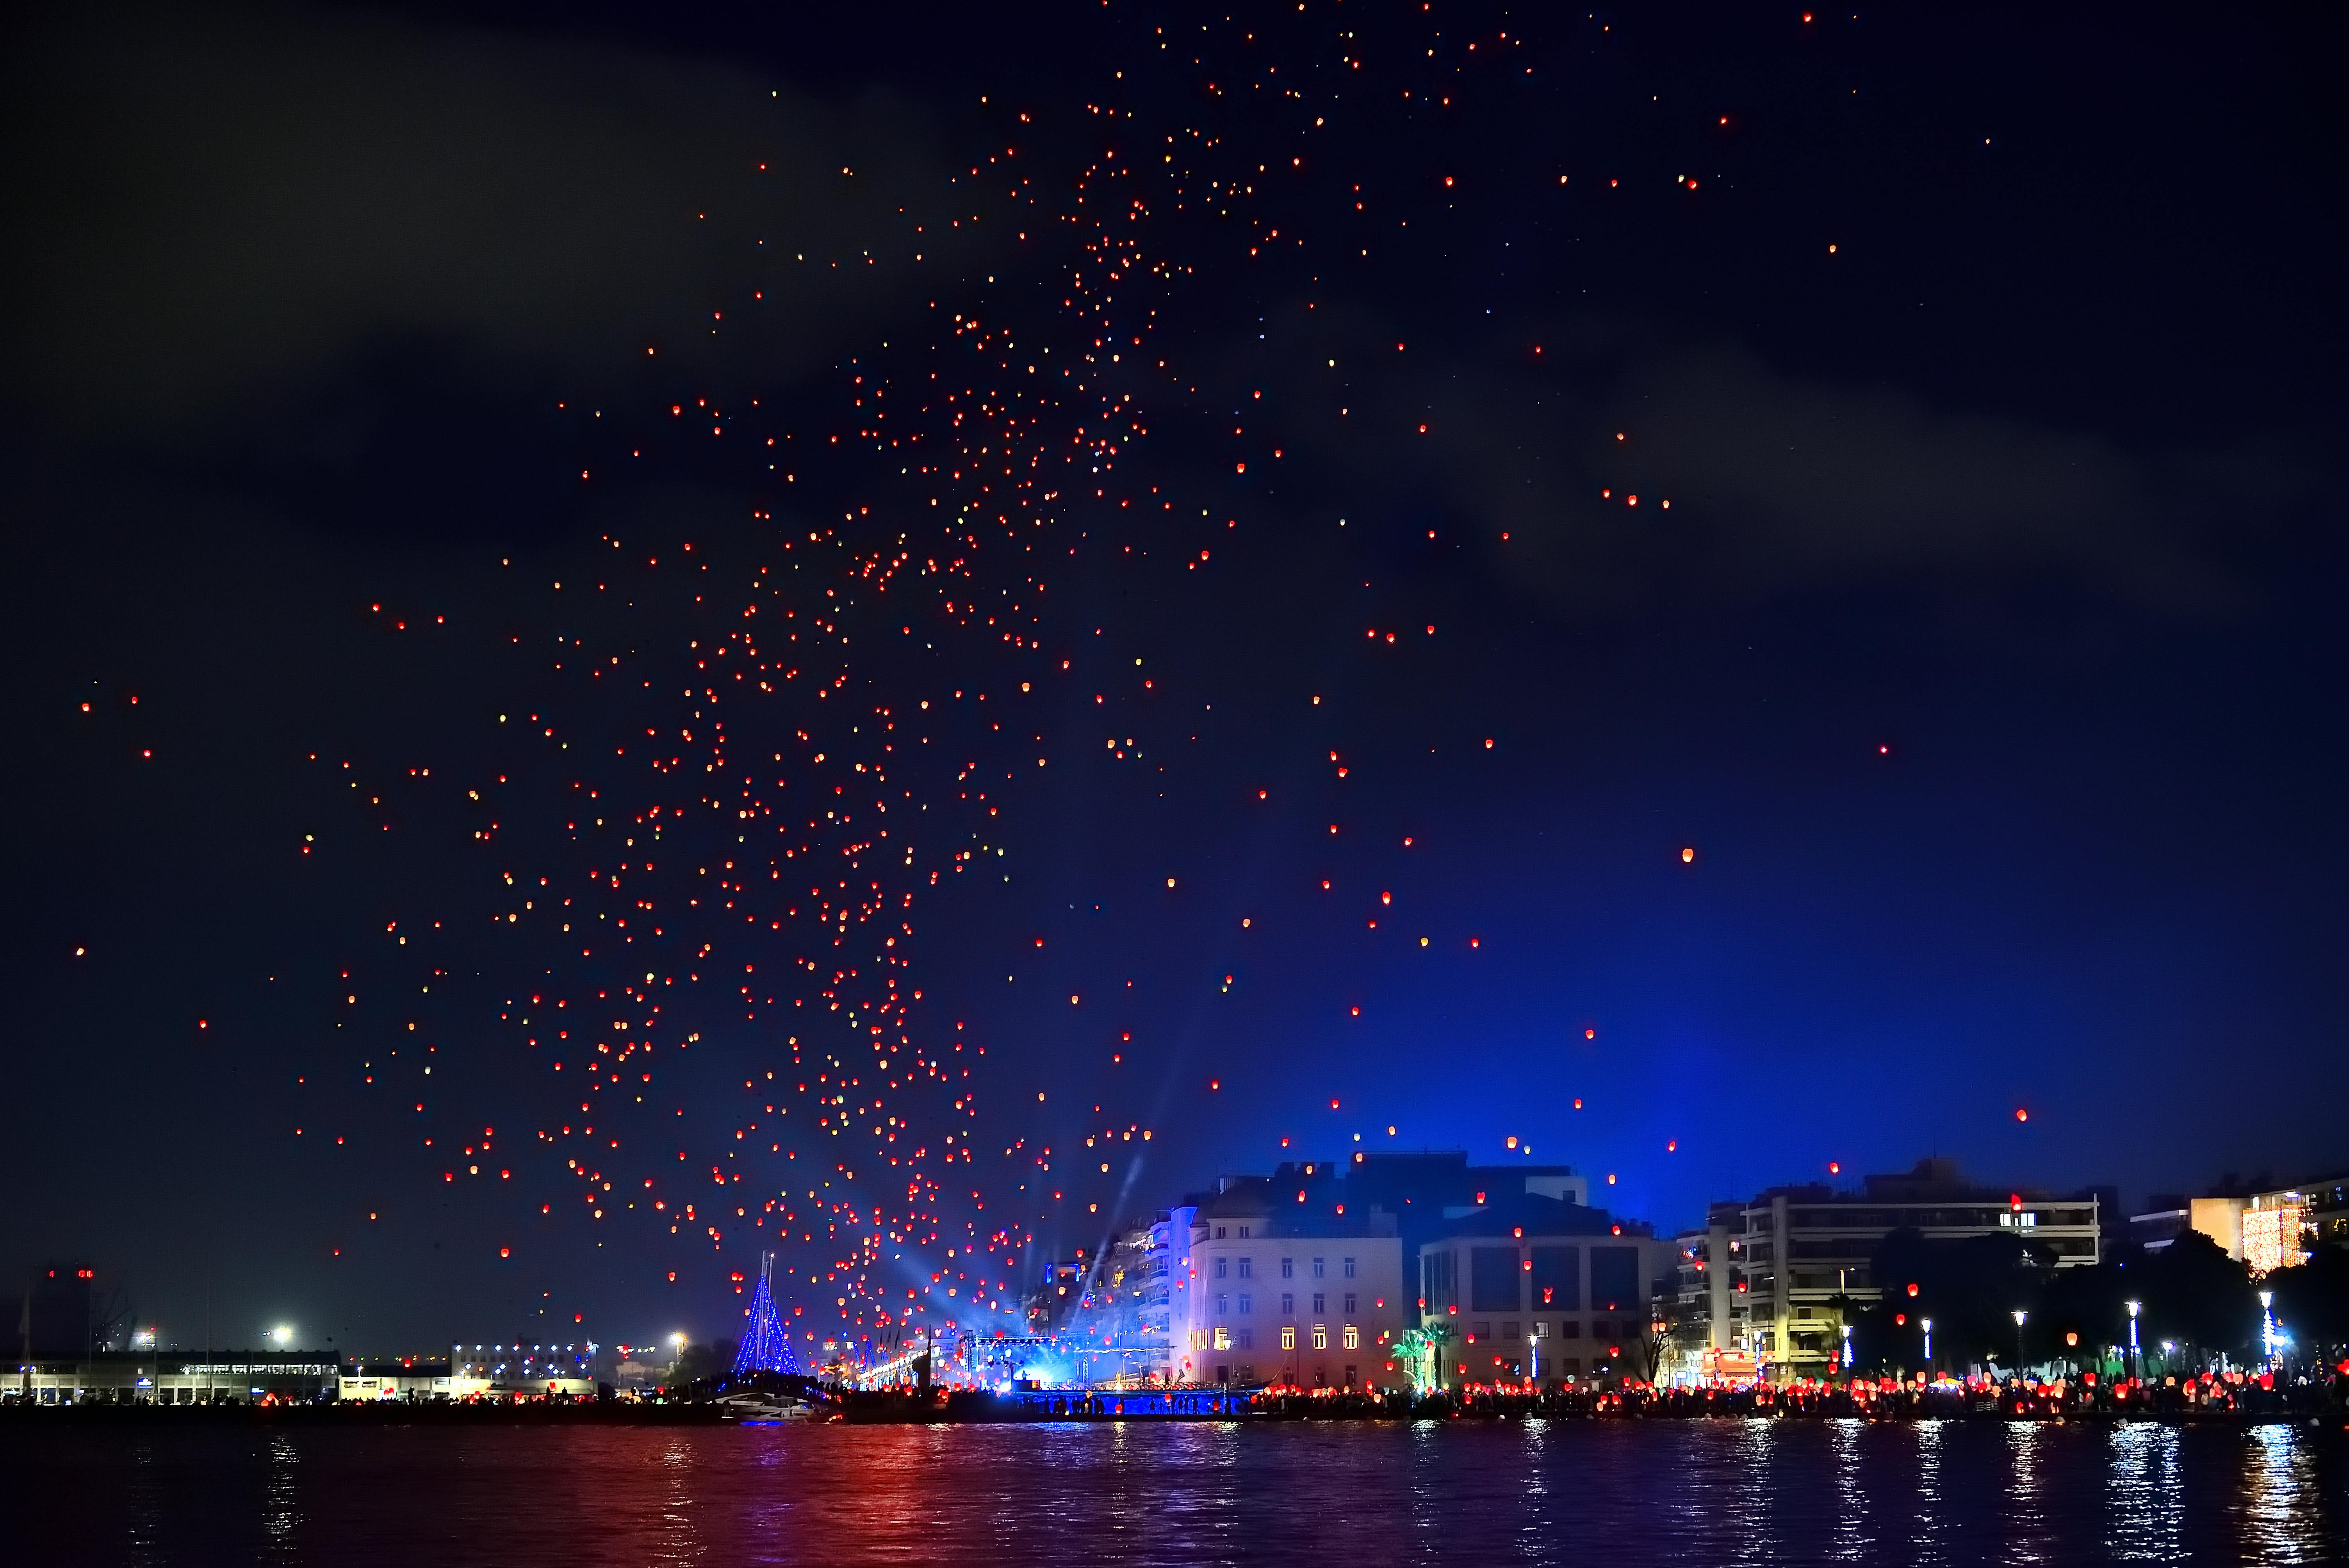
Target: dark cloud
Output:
[
  {"x": 1777, "y": 481},
  {"x": 333, "y": 253}
]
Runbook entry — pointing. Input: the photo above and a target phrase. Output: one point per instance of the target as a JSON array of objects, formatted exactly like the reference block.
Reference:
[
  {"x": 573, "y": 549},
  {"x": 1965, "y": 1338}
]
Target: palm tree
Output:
[{"x": 1417, "y": 1345}]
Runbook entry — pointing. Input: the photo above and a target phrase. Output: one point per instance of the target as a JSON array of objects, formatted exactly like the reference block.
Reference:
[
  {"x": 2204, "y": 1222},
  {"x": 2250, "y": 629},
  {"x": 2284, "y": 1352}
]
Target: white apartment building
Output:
[
  {"x": 1284, "y": 1287},
  {"x": 1802, "y": 1248}
]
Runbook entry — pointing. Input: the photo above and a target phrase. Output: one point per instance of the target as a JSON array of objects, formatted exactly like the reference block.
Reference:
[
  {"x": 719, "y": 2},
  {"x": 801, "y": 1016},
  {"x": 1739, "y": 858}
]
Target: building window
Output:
[
  {"x": 1351, "y": 1338},
  {"x": 1223, "y": 1372},
  {"x": 1321, "y": 1303},
  {"x": 1480, "y": 1330},
  {"x": 1219, "y": 1232},
  {"x": 1287, "y": 1268},
  {"x": 1321, "y": 1336},
  {"x": 1493, "y": 1279},
  {"x": 1247, "y": 1304},
  {"x": 1557, "y": 1278},
  {"x": 1247, "y": 1268},
  {"x": 1222, "y": 1308},
  {"x": 1288, "y": 1305},
  {"x": 1244, "y": 1231},
  {"x": 1437, "y": 1279},
  {"x": 1316, "y": 1268},
  {"x": 1509, "y": 1330},
  {"x": 1321, "y": 1377},
  {"x": 1246, "y": 1336},
  {"x": 1615, "y": 1278},
  {"x": 1221, "y": 1265},
  {"x": 1351, "y": 1308},
  {"x": 1350, "y": 1376},
  {"x": 1350, "y": 1268},
  {"x": 1222, "y": 1342},
  {"x": 1289, "y": 1336}
]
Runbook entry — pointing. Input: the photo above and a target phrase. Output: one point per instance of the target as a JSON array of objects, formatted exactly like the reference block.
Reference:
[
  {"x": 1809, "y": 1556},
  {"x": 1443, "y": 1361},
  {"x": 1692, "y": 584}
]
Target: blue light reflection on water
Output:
[{"x": 1548, "y": 1492}]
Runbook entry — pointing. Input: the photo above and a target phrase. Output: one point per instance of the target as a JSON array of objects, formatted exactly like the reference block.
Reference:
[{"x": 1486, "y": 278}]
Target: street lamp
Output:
[
  {"x": 1847, "y": 1346},
  {"x": 1927, "y": 1325},
  {"x": 2135, "y": 1370},
  {"x": 2019, "y": 1315},
  {"x": 2267, "y": 1324}
]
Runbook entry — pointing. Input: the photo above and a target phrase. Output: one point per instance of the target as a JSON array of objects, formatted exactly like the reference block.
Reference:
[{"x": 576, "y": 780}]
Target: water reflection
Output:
[
  {"x": 2280, "y": 1522},
  {"x": 1428, "y": 1493},
  {"x": 1537, "y": 1539},
  {"x": 2026, "y": 1523},
  {"x": 1746, "y": 1494},
  {"x": 279, "y": 1516},
  {"x": 1852, "y": 1542},
  {"x": 674, "y": 1538},
  {"x": 1925, "y": 1441},
  {"x": 142, "y": 1510},
  {"x": 2145, "y": 1498},
  {"x": 1630, "y": 1494}
]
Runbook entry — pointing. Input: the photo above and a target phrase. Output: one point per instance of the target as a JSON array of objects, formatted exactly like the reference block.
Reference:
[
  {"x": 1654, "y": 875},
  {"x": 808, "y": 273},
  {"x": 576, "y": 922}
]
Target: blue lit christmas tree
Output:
[{"x": 765, "y": 1346}]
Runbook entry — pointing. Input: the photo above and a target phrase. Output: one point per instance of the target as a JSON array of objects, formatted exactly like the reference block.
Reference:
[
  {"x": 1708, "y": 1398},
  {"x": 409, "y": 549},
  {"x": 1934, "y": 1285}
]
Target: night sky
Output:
[{"x": 1091, "y": 555}]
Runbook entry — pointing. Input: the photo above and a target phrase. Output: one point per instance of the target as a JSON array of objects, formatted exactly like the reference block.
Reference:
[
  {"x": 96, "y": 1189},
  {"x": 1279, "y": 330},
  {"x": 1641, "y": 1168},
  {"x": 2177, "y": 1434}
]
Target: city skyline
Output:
[{"x": 1071, "y": 606}]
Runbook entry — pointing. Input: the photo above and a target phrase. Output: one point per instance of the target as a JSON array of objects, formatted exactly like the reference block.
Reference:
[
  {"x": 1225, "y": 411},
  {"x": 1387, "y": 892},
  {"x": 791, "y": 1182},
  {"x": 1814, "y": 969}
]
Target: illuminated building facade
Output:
[
  {"x": 1166, "y": 1297},
  {"x": 2272, "y": 1232},
  {"x": 1538, "y": 1290},
  {"x": 1105, "y": 1311},
  {"x": 1803, "y": 1247},
  {"x": 406, "y": 1379},
  {"x": 2325, "y": 1213},
  {"x": 2281, "y": 1228},
  {"x": 178, "y": 1377},
  {"x": 2273, "y": 1228},
  {"x": 1709, "y": 1319},
  {"x": 518, "y": 1370},
  {"x": 1289, "y": 1286}
]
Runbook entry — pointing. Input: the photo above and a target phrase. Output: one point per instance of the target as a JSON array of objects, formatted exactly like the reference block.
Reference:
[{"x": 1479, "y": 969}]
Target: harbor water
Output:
[{"x": 1622, "y": 1493}]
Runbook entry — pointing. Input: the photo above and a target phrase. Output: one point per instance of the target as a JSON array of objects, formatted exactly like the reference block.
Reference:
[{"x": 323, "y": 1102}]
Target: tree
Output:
[
  {"x": 2090, "y": 1305},
  {"x": 2311, "y": 1303},
  {"x": 1416, "y": 1349},
  {"x": 2198, "y": 1295},
  {"x": 1969, "y": 1288},
  {"x": 700, "y": 1360},
  {"x": 1685, "y": 1326}
]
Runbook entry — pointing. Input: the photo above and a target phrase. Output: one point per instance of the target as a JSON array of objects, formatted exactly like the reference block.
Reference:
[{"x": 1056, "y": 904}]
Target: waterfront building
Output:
[
  {"x": 1291, "y": 1285},
  {"x": 2166, "y": 1218},
  {"x": 1806, "y": 1250},
  {"x": 1166, "y": 1296},
  {"x": 1711, "y": 1338},
  {"x": 177, "y": 1377},
  {"x": 1105, "y": 1310},
  {"x": 2267, "y": 1227},
  {"x": 1427, "y": 1188},
  {"x": 2313, "y": 1214},
  {"x": 408, "y": 1379},
  {"x": 519, "y": 1370},
  {"x": 1054, "y": 1296},
  {"x": 1535, "y": 1289},
  {"x": 2171, "y": 1215}
]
